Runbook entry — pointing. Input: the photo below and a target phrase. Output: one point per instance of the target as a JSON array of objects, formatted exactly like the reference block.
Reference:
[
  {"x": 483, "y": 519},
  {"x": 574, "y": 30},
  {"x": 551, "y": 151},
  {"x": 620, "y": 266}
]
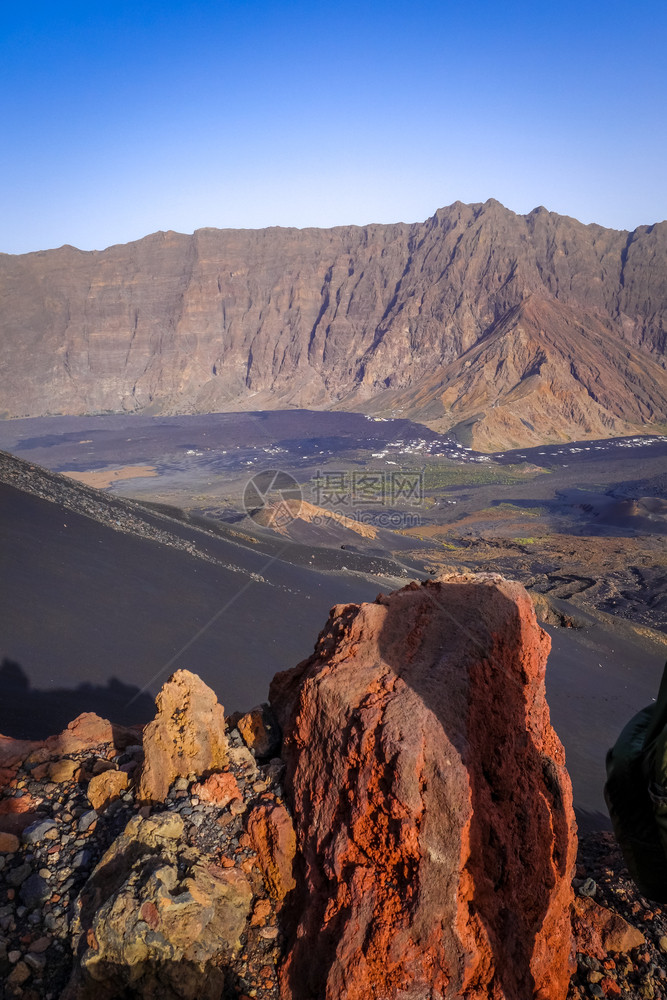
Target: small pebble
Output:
[
  {"x": 36, "y": 962},
  {"x": 86, "y": 820},
  {"x": 19, "y": 974},
  {"x": 268, "y": 933}
]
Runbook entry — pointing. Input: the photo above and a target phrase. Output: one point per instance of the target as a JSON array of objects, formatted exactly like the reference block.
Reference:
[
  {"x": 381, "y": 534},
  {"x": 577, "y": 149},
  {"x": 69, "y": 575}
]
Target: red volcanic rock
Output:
[
  {"x": 272, "y": 834},
  {"x": 187, "y": 736},
  {"x": 86, "y": 732},
  {"x": 220, "y": 789},
  {"x": 599, "y": 930},
  {"x": 18, "y": 804},
  {"x": 432, "y": 806},
  {"x": 12, "y": 754}
]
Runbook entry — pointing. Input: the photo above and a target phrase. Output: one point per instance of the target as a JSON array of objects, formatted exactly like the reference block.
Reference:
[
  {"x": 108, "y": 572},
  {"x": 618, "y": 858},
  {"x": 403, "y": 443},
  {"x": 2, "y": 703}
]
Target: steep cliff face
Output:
[
  {"x": 224, "y": 320},
  {"x": 544, "y": 372}
]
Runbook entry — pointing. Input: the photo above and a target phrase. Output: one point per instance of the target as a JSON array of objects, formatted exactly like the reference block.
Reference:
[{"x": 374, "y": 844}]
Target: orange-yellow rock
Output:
[
  {"x": 432, "y": 807},
  {"x": 61, "y": 771},
  {"x": 186, "y": 736},
  {"x": 105, "y": 788},
  {"x": 260, "y": 731},
  {"x": 9, "y": 843}
]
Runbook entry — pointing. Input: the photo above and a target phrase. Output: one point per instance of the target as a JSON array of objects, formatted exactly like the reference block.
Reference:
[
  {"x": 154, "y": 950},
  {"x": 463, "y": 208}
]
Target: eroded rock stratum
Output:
[{"x": 505, "y": 330}]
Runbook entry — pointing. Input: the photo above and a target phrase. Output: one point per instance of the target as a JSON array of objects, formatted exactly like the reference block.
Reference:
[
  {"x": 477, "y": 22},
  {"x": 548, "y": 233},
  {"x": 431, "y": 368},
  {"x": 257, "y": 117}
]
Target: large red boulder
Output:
[{"x": 432, "y": 807}]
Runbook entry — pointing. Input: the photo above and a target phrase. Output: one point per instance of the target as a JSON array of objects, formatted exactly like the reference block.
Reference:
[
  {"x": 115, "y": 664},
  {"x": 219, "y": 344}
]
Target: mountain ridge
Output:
[{"x": 344, "y": 317}]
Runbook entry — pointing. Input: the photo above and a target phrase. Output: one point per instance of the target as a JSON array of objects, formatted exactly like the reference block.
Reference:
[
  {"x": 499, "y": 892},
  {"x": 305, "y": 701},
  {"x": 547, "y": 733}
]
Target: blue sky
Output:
[{"x": 122, "y": 118}]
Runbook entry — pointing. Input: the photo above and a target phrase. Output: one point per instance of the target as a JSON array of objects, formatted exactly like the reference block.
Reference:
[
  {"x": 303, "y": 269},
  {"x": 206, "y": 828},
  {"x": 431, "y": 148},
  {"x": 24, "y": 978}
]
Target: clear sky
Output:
[{"x": 122, "y": 118}]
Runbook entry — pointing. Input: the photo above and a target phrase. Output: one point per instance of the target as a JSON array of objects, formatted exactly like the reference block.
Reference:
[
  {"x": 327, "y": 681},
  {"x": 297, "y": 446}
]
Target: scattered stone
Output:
[
  {"x": 260, "y": 731},
  {"x": 36, "y": 962},
  {"x": 62, "y": 771},
  {"x": 34, "y": 890},
  {"x": 186, "y": 736},
  {"x": 19, "y": 974},
  {"x": 82, "y": 859},
  {"x": 272, "y": 834},
  {"x": 41, "y": 830},
  {"x": 105, "y": 788},
  {"x": 40, "y": 945},
  {"x": 588, "y": 888},
  {"x": 599, "y": 930},
  {"x": 86, "y": 820},
  {"x": 9, "y": 843},
  {"x": 241, "y": 758},
  {"x": 17, "y": 876}
]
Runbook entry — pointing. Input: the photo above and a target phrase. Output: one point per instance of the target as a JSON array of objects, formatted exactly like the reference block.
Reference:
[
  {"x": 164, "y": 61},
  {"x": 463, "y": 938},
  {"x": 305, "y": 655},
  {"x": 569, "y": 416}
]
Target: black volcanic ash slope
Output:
[{"x": 94, "y": 588}]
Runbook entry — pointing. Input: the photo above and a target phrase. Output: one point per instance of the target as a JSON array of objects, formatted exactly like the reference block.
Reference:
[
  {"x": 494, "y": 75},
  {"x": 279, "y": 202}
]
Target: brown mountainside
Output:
[{"x": 511, "y": 329}]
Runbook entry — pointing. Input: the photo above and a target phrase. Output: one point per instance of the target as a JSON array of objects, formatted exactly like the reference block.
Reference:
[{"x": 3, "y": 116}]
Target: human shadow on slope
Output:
[
  {"x": 29, "y": 714},
  {"x": 153, "y": 978}
]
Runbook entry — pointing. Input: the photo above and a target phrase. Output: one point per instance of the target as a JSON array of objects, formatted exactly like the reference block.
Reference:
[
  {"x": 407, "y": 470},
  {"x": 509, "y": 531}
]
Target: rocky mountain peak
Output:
[{"x": 232, "y": 319}]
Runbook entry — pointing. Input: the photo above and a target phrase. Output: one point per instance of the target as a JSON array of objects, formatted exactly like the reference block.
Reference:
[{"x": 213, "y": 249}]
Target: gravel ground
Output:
[
  {"x": 39, "y": 883},
  {"x": 641, "y": 973},
  {"x": 41, "y": 879}
]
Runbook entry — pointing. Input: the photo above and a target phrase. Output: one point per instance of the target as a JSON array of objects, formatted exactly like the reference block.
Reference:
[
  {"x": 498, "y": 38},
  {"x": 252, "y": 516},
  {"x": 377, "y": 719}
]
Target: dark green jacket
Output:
[{"x": 636, "y": 795}]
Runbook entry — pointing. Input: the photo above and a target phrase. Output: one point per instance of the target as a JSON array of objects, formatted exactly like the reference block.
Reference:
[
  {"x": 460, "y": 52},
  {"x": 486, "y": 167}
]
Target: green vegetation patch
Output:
[
  {"x": 440, "y": 475},
  {"x": 513, "y": 508}
]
